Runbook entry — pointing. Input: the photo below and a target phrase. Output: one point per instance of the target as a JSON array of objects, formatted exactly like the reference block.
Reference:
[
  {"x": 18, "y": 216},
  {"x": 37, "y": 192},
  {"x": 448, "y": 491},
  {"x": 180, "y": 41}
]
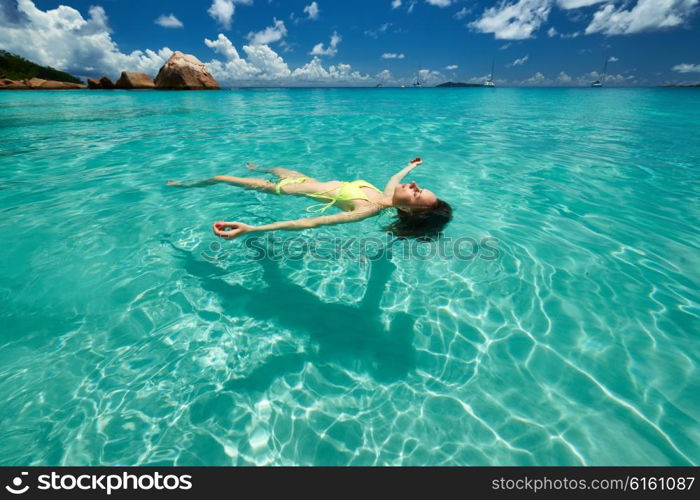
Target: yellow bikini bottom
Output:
[{"x": 345, "y": 192}]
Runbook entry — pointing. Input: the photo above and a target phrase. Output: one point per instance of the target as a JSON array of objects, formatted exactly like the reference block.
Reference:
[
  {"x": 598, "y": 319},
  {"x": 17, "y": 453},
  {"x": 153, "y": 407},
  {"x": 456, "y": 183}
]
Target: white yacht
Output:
[
  {"x": 417, "y": 82},
  {"x": 489, "y": 80},
  {"x": 599, "y": 83}
]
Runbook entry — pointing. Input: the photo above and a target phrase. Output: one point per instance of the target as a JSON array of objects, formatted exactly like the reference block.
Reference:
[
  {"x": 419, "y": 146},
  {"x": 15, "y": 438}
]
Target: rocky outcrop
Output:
[
  {"x": 180, "y": 72},
  {"x": 6, "y": 83},
  {"x": 102, "y": 83},
  {"x": 106, "y": 83},
  {"x": 134, "y": 80},
  {"x": 38, "y": 84},
  {"x": 184, "y": 72}
]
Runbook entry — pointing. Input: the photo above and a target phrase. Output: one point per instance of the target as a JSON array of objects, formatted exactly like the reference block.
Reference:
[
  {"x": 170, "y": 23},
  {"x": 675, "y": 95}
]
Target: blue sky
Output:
[{"x": 360, "y": 42}]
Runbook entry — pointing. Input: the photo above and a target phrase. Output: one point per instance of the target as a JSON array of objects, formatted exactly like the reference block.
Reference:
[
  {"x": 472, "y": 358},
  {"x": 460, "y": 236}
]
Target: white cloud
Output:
[
  {"x": 552, "y": 32},
  {"x": 270, "y": 64},
  {"x": 513, "y": 21},
  {"x": 609, "y": 79},
  {"x": 613, "y": 59},
  {"x": 315, "y": 72},
  {"x": 222, "y": 11},
  {"x": 439, "y": 3},
  {"x": 395, "y": 4},
  {"x": 169, "y": 21},
  {"x": 480, "y": 79},
  {"x": 430, "y": 77},
  {"x": 312, "y": 11},
  {"x": 520, "y": 19},
  {"x": 451, "y": 67},
  {"x": 576, "y": 4},
  {"x": 287, "y": 47},
  {"x": 520, "y": 62},
  {"x": 262, "y": 65},
  {"x": 312, "y": 71},
  {"x": 687, "y": 68},
  {"x": 536, "y": 78},
  {"x": 237, "y": 72},
  {"x": 389, "y": 55},
  {"x": 462, "y": 13},
  {"x": 332, "y": 49},
  {"x": 384, "y": 75},
  {"x": 646, "y": 15},
  {"x": 223, "y": 46},
  {"x": 381, "y": 29},
  {"x": 540, "y": 80},
  {"x": 64, "y": 39},
  {"x": 269, "y": 35}
]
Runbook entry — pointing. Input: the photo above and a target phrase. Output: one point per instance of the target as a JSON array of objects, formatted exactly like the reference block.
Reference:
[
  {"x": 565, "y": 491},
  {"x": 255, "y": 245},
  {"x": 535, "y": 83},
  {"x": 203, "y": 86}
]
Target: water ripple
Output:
[{"x": 129, "y": 335}]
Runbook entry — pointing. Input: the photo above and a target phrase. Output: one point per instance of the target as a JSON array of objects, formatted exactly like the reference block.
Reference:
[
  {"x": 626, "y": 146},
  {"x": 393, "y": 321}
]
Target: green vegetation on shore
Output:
[
  {"x": 17, "y": 68},
  {"x": 459, "y": 84}
]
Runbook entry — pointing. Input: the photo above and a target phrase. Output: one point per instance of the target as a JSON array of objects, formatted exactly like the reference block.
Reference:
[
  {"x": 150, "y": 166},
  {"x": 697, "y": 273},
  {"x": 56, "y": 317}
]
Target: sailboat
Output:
[
  {"x": 489, "y": 81},
  {"x": 599, "y": 83},
  {"x": 417, "y": 83}
]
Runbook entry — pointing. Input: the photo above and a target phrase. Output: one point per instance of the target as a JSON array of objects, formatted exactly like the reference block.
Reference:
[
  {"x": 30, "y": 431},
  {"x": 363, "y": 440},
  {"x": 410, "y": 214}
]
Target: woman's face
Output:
[{"x": 409, "y": 196}]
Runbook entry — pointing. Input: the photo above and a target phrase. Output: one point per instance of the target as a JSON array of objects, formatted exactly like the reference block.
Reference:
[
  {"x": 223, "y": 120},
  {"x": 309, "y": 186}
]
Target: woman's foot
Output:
[{"x": 174, "y": 183}]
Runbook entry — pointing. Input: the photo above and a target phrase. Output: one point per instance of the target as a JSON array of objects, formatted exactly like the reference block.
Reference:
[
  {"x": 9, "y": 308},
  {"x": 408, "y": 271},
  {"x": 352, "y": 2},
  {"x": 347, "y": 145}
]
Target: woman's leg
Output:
[
  {"x": 244, "y": 182},
  {"x": 282, "y": 173}
]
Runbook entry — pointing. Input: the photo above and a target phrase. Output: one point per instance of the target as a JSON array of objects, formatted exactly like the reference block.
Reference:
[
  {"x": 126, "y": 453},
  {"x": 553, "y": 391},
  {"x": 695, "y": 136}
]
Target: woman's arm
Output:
[
  {"x": 397, "y": 178},
  {"x": 238, "y": 228},
  {"x": 192, "y": 184}
]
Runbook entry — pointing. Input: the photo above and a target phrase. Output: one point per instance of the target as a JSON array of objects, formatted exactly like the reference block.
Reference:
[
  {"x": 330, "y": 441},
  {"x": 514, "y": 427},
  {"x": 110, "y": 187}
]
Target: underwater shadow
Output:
[{"x": 352, "y": 336}]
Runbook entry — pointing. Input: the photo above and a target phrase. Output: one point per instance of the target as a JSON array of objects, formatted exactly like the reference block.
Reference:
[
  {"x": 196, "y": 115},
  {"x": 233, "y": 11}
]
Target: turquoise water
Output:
[{"x": 130, "y": 335}]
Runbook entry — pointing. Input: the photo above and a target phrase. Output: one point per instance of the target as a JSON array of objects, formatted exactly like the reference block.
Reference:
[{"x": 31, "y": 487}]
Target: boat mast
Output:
[
  {"x": 417, "y": 82},
  {"x": 605, "y": 69}
]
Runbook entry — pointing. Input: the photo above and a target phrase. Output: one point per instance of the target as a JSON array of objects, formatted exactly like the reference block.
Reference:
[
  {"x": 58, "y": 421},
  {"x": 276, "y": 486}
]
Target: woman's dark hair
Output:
[{"x": 424, "y": 226}]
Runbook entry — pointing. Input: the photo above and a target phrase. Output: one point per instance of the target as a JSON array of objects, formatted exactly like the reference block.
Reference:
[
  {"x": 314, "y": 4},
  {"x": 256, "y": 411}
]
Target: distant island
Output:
[
  {"x": 460, "y": 84},
  {"x": 681, "y": 85},
  {"x": 14, "y": 67}
]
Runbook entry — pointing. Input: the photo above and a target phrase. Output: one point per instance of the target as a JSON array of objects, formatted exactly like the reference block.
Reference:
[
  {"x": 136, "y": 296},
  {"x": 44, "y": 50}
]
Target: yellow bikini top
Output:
[{"x": 347, "y": 191}]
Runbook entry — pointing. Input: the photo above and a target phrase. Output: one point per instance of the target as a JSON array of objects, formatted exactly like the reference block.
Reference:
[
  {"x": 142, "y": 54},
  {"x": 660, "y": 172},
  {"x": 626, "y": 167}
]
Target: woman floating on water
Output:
[{"x": 419, "y": 212}]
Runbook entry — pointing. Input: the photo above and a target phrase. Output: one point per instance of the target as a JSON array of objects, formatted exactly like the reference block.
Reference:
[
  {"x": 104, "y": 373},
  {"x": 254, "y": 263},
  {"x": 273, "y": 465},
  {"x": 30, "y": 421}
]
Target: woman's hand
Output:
[
  {"x": 230, "y": 230},
  {"x": 415, "y": 162}
]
